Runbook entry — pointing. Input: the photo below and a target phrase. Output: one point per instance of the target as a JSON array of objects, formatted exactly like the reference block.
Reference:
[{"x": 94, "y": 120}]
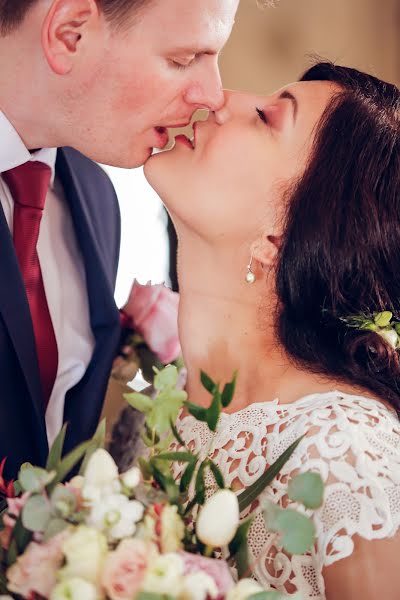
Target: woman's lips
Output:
[{"x": 182, "y": 139}]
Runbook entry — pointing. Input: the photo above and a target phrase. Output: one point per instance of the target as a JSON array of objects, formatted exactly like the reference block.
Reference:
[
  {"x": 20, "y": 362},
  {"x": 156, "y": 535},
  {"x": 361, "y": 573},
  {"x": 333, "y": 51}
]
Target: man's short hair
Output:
[{"x": 13, "y": 12}]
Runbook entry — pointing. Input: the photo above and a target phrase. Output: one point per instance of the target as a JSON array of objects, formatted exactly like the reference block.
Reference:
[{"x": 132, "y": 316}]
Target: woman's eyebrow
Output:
[{"x": 289, "y": 96}]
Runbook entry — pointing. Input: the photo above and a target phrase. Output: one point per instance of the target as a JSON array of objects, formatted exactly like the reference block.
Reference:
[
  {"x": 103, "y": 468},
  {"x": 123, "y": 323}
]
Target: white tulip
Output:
[
  {"x": 74, "y": 589},
  {"x": 198, "y": 586},
  {"x": 390, "y": 336},
  {"x": 101, "y": 470},
  {"x": 131, "y": 478},
  {"x": 218, "y": 519},
  {"x": 243, "y": 589}
]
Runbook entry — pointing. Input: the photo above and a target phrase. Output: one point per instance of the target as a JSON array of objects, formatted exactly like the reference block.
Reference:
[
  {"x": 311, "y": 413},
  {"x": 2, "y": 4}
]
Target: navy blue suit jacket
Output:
[{"x": 95, "y": 213}]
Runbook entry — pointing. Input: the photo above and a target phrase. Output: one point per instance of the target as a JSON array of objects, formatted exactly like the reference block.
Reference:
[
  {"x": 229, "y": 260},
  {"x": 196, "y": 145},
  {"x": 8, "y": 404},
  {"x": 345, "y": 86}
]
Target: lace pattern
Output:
[{"x": 352, "y": 441}]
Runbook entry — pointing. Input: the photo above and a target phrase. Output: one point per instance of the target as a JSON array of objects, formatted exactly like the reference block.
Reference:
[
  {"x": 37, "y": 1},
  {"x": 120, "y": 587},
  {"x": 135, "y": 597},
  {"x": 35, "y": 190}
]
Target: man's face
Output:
[{"x": 134, "y": 83}]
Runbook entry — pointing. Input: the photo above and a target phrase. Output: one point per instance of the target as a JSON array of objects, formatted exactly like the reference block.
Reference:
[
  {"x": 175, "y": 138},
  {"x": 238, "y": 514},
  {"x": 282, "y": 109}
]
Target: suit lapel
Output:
[{"x": 14, "y": 309}]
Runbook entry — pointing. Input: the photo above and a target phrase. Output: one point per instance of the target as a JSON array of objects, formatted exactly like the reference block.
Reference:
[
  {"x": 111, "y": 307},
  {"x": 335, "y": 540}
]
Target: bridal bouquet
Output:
[{"x": 142, "y": 534}]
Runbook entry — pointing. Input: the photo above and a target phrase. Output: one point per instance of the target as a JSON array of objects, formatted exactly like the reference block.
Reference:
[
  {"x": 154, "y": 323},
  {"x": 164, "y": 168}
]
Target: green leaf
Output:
[
  {"x": 200, "y": 484},
  {"x": 54, "y": 527},
  {"x": 12, "y": 553},
  {"x": 238, "y": 547},
  {"x": 187, "y": 476},
  {"x": 167, "y": 483},
  {"x": 272, "y": 595},
  {"x": 198, "y": 412},
  {"x": 176, "y": 434},
  {"x": 166, "y": 407},
  {"x": 20, "y": 535},
  {"x": 166, "y": 379},
  {"x": 247, "y": 497},
  {"x": 214, "y": 412},
  {"x": 307, "y": 488},
  {"x": 97, "y": 441},
  {"x": 219, "y": 478},
  {"x": 229, "y": 391},
  {"x": 175, "y": 456},
  {"x": 140, "y": 402},
  {"x": 63, "y": 501},
  {"x": 207, "y": 382},
  {"x": 68, "y": 463},
  {"x": 55, "y": 453},
  {"x": 36, "y": 513},
  {"x": 3, "y": 583},
  {"x": 145, "y": 468},
  {"x": 296, "y": 530},
  {"x": 383, "y": 319},
  {"x": 34, "y": 479}
]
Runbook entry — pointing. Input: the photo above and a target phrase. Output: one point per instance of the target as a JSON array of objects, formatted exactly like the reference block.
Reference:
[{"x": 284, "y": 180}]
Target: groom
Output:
[{"x": 81, "y": 81}]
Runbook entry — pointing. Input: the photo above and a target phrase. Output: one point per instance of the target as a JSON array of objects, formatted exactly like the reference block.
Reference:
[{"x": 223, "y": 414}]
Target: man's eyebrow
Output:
[{"x": 289, "y": 96}]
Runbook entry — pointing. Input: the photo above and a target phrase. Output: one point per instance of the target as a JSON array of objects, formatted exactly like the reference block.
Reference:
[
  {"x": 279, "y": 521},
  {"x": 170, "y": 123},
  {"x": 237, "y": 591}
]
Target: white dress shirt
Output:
[{"x": 62, "y": 270}]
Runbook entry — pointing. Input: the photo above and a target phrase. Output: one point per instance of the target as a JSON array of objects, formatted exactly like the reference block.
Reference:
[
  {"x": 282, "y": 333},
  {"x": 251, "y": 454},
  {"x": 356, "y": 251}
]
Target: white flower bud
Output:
[
  {"x": 101, "y": 470},
  {"x": 218, "y": 519},
  {"x": 198, "y": 586},
  {"x": 131, "y": 478},
  {"x": 74, "y": 589}
]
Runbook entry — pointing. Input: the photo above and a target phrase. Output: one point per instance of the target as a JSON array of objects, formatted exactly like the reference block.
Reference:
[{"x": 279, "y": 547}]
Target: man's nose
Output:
[
  {"x": 208, "y": 92},
  {"x": 223, "y": 114}
]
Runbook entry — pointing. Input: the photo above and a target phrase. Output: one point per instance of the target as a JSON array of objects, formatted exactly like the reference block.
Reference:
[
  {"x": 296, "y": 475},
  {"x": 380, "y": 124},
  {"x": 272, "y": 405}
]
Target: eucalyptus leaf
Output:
[
  {"x": 296, "y": 530},
  {"x": 140, "y": 402},
  {"x": 20, "y": 535},
  {"x": 54, "y": 527},
  {"x": 55, "y": 453},
  {"x": 207, "y": 382},
  {"x": 34, "y": 479},
  {"x": 63, "y": 501},
  {"x": 251, "y": 493},
  {"x": 36, "y": 513},
  {"x": 176, "y": 434},
  {"x": 307, "y": 488},
  {"x": 198, "y": 412}
]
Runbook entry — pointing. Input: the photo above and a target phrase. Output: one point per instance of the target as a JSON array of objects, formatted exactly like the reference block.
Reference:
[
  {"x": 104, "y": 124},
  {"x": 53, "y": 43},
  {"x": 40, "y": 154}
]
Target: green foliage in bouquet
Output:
[{"x": 189, "y": 494}]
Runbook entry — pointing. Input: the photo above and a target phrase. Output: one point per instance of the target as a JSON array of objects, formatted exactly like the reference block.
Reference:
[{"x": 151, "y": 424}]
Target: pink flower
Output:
[
  {"x": 125, "y": 568},
  {"x": 15, "y": 505},
  {"x": 35, "y": 571},
  {"x": 6, "y": 487},
  {"x": 218, "y": 570},
  {"x": 154, "y": 313}
]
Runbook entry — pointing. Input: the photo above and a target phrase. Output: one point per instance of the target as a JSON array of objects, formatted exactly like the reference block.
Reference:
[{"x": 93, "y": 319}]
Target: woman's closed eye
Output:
[{"x": 262, "y": 115}]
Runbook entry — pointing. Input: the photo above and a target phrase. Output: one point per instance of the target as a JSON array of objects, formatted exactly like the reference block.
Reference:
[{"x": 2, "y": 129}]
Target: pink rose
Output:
[
  {"x": 218, "y": 570},
  {"x": 35, "y": 570},
  {"x": 125, "y": 568},
  {"x": 154, "y": 312}
]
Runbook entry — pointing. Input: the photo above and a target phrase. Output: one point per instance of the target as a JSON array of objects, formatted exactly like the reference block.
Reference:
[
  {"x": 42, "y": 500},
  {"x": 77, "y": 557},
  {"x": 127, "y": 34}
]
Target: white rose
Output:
[
  {"x": 198, "y": 586},
  {"x": 243, "y": 589},
  {"x": 101, "y": 470},
  {"x": 85, "y": 551},
  {"x": 74, "y": 589},
  {"x": 116, "y": 515},
  {"x": 131, "y": 478},
  {"x": 165, "y": 575},
  {"x": 218, "y": 519}
]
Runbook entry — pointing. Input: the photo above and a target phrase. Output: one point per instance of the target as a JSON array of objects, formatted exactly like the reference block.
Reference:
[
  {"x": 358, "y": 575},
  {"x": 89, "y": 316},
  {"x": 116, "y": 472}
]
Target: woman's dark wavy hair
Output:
[{"x": 340, "y": 253}]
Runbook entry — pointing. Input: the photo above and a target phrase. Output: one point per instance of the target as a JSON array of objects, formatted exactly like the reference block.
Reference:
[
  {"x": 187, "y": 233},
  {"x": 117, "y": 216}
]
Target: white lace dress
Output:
[{"x": 352, "y": 441}]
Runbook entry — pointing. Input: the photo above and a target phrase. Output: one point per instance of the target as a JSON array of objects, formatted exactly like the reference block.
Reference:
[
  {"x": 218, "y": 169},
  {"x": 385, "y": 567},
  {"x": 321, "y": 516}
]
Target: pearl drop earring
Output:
[{"x": 250, "y": 277}]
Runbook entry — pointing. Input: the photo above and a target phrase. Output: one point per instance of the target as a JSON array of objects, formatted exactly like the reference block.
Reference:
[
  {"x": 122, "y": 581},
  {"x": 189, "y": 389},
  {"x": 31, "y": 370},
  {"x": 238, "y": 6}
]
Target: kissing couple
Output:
[{"x": 286, "y": 210}]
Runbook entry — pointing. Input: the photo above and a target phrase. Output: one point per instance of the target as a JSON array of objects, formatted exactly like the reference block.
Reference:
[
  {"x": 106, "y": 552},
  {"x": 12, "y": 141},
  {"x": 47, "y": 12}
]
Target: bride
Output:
[{"x": 287, "y": 212}]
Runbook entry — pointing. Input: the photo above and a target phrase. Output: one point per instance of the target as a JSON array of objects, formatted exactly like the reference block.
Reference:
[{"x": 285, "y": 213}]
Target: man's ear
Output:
[
  {"x": 63, "y": 28},
  {"x": 266, "y": 248}
]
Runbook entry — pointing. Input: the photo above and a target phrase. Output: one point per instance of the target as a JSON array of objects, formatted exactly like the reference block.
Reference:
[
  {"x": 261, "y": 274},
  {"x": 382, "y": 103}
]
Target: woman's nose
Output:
[{"x": 229, "y": 108}]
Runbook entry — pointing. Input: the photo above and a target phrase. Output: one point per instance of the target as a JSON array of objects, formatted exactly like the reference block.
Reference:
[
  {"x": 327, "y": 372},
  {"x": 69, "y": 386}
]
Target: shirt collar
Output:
[{"x": 13, "y": 151}]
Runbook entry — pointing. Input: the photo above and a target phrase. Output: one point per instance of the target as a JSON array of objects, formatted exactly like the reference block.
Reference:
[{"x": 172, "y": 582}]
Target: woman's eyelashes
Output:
[{"x": 262, "y": 115}]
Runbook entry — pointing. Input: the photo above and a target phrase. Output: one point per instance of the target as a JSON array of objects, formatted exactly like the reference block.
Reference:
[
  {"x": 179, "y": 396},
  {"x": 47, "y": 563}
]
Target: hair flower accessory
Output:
[{"x": 382, "y": 323}]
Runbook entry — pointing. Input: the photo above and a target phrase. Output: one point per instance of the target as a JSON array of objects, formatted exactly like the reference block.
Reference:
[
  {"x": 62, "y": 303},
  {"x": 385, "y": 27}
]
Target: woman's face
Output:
[{"x": 230, "y": 186}]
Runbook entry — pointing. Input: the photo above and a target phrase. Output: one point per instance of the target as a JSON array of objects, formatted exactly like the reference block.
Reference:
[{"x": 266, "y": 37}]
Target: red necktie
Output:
[{"x": 28, "y": 185}]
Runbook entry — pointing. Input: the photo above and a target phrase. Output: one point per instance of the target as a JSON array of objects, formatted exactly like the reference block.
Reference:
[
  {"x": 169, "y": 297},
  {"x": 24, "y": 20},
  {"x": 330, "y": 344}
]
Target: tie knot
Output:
[{"x": 29, "y": 183}]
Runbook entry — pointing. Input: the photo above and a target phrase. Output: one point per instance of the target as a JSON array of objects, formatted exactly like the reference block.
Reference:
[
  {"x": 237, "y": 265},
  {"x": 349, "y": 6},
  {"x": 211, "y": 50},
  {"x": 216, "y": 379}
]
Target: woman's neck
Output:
[{"x": 227, "y": 325}]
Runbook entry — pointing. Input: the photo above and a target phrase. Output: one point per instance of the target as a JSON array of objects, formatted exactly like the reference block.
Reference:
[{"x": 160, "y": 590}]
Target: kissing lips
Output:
[
  {"x": 182, "y": 139},
  {"x": 162, "y": 137}
]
